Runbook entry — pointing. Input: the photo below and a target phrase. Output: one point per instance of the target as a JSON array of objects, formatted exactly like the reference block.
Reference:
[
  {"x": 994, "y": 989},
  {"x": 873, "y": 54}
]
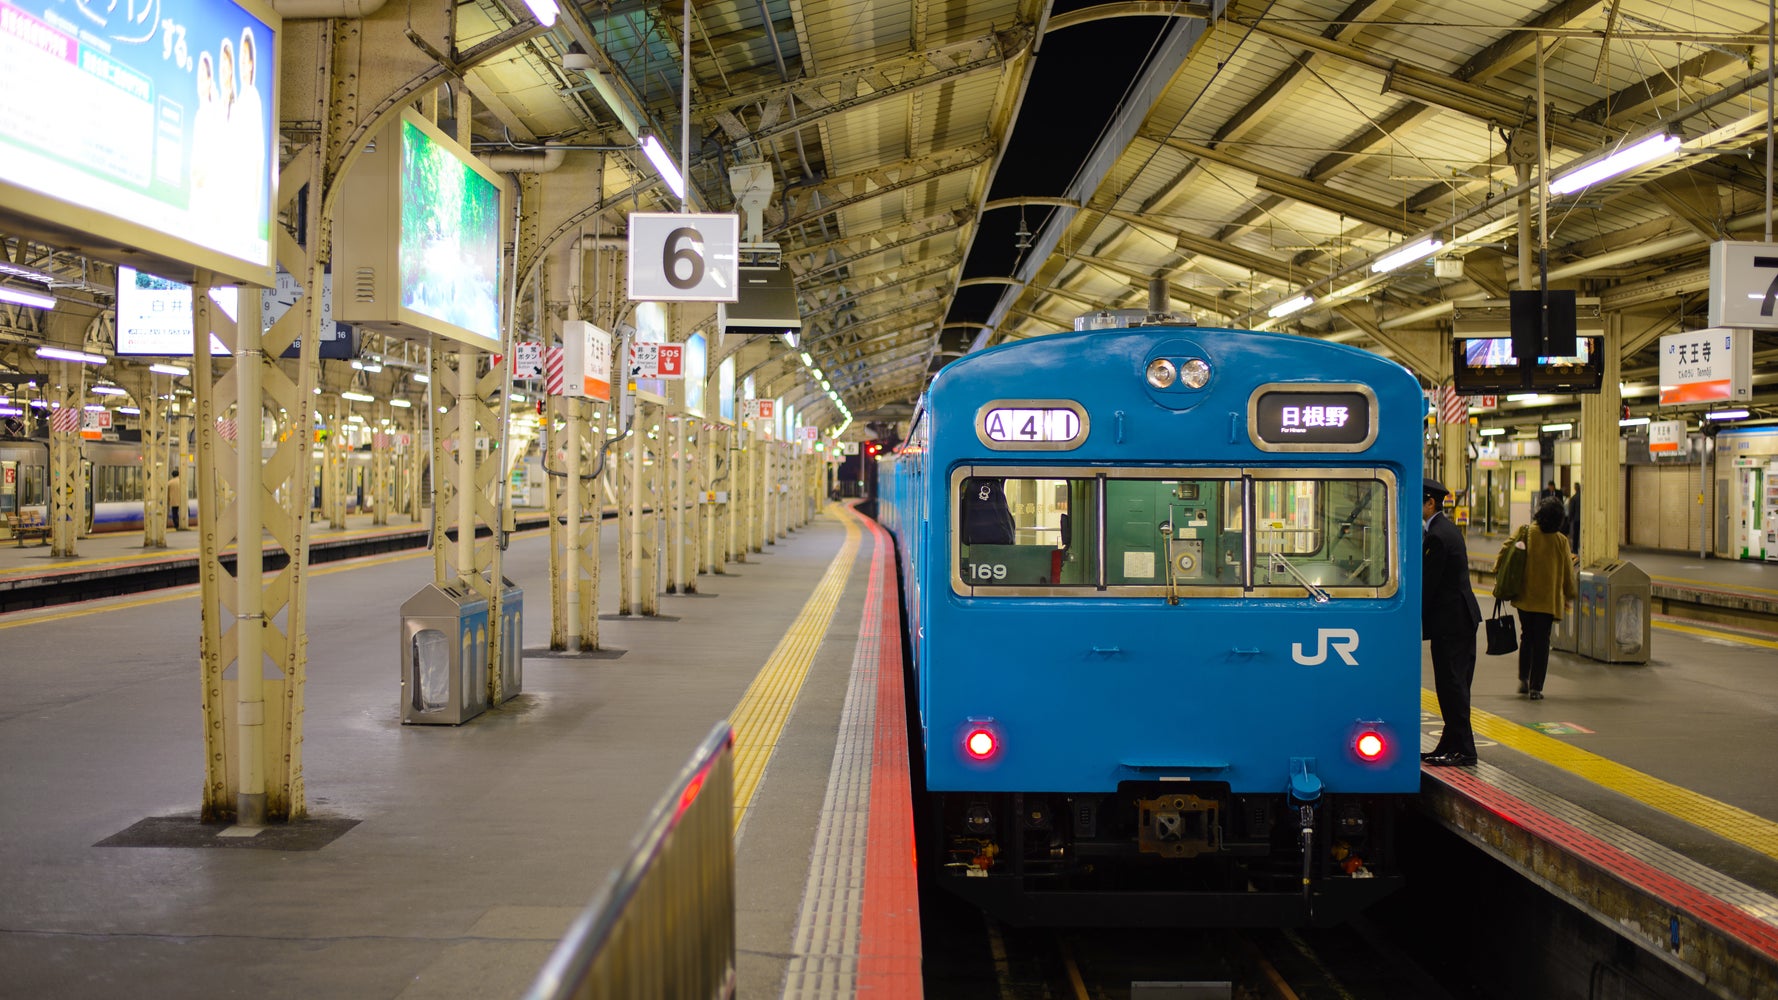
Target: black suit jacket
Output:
[{"x": 1447, "y": 601}]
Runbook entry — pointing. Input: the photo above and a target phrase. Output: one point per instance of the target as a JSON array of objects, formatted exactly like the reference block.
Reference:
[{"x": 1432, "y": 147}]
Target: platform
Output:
[{"x": 453, "y": 857}]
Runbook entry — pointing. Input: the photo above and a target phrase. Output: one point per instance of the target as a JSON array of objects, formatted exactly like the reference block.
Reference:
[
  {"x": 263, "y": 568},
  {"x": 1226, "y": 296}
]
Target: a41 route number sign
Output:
[{"x": 685, "y": 257}]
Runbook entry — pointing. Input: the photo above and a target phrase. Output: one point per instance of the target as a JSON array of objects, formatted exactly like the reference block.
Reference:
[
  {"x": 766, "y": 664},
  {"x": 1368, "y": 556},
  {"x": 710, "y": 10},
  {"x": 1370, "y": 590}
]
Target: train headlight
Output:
[
  {"x": 1370, "y": 745},
  {"x": 1161, "y": 373},
  {"x": 1195, "y": 373}
]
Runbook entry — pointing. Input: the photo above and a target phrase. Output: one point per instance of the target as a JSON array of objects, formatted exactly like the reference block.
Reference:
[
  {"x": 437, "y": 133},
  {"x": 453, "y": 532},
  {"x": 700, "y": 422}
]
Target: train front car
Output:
[{"x": 1166, "y": 625}]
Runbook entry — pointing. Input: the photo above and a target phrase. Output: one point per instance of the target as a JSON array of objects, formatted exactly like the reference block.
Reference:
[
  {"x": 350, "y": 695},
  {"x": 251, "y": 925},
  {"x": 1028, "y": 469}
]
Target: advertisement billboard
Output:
[{"x": 142, "y": 132}]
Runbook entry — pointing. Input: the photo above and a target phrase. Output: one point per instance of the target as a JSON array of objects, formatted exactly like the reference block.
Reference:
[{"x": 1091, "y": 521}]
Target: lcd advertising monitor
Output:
[
  {"x": 154, "y": 317},
  {"x": 141, "y": 133},
  {"x": 418, "y": 231},
  {"x": 1486, "y": 365}
]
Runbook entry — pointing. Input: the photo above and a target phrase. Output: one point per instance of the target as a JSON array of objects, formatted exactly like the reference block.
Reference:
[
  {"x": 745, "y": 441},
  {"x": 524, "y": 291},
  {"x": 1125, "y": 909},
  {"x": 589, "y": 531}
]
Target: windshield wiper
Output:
[{"x": 1278, "y": 560}]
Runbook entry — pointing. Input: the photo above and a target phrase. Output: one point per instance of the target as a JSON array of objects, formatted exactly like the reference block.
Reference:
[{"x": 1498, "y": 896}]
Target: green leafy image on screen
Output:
[{"x": 450, "y": 237}]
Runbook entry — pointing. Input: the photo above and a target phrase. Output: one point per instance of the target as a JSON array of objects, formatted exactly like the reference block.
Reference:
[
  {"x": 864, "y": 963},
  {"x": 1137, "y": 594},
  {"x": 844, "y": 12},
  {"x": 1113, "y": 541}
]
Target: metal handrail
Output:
[{"x": 663, "y": 925}]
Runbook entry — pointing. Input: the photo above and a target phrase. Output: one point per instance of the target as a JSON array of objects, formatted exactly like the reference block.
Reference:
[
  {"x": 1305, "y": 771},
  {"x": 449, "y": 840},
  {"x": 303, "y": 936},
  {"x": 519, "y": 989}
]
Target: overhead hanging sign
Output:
[
  {"x": 1709, "y": 366},
  {"x": 1666, "y": 437},
  {"x": 657, "y": 360},
  {"x": 586, "y": 360},
  {"x": 685, "y": 257},
  {"x": 1744, "y": 285}
]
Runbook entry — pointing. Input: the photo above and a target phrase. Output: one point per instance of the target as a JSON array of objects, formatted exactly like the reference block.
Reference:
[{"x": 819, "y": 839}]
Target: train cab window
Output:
[
  {"x": 1014, "y": 531},
  {"x": 1331, "y": 533},
  {"x": 1277, "y": 533}
]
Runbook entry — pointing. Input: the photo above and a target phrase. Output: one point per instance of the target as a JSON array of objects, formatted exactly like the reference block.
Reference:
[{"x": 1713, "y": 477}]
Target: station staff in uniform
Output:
[{"x": 1449, "y": 615}]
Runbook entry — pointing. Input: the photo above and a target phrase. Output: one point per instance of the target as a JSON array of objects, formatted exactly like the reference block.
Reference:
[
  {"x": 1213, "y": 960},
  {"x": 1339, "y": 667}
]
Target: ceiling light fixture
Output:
[
  {"x": 1628, "y": 158},
  {"x": 1552, "y": 428},
  {"x": 36, "y": 300},
  {"x": 1489, "y": 432},
  {"x": 110, "y": 390},
  {"x": 663, "y": 163},
  {"x": 58, "y": 354},
  {"x": 1290, "y": 306},
  {"x": 1633, "y": 422},
  {"x": 358, "y": 397},
  {"x": 1725, "y": 415},
  {"x": 1407, "y": 255},
  {"x": 173, "y": 370},
  {"x": 544, "y": 11}
]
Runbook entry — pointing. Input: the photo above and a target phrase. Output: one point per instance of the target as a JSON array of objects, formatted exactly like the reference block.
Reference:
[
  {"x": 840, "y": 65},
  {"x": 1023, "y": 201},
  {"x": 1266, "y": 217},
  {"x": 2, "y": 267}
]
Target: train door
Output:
[
  {"x": 86, "y": 466},
  {"x": 9, "y": 487}
]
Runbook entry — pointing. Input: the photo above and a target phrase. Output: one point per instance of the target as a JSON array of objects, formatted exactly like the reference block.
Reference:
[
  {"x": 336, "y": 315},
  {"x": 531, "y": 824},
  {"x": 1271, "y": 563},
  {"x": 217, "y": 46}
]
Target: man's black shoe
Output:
[
  {"x": 1431, "y": 754},
  {"x": 1452, "y": 759}
]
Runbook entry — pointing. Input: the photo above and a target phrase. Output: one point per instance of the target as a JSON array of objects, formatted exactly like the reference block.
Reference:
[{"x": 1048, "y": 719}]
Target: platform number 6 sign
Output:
[{"x": 684, "y": 257}]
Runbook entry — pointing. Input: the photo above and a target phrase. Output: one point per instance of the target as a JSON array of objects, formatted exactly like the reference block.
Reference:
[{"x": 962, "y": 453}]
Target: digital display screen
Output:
[
  {"x": 697, "y": 364},
  {"x": 154, "y": 317},
  {"x": 155, "y": 113},
  {"x": 1293, "y": 417},
  {"x": 450, "y": 236},
  {"x": 1497, "y": 352},
  {"x": 1031, "y": 425}
]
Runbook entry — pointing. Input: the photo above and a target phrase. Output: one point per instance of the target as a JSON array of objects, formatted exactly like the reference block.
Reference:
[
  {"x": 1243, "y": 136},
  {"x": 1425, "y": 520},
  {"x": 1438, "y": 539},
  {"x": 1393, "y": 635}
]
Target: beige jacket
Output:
[{"x": 1549, "y": 571}]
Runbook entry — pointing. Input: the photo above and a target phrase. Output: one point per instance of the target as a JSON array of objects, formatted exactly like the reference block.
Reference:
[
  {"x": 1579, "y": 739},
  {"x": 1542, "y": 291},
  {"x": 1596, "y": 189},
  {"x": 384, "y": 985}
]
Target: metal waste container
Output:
[
  {"x": 1614, "y": 611},
  {"x": 512, "y": 639},
  {"x": 444, "y": 655},
  {"x": 1565, "y": 633}
]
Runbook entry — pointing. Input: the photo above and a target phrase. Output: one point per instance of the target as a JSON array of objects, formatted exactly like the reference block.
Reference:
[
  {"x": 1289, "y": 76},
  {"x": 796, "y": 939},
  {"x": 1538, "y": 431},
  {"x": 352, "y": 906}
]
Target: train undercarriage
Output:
[{"x": 1165, "y": 854}]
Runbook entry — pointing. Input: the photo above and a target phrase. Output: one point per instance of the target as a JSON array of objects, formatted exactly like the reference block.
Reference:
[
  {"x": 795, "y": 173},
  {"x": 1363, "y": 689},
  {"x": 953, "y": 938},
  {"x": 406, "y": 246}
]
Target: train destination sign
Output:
[
  {"x": 1012, "y": 425},
  {"x": 1290, "y": 418}
]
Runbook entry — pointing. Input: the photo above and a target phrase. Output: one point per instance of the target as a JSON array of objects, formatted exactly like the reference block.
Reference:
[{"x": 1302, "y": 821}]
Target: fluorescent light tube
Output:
[
  {"x": 1558, "y": 427},
  {"x": 110, "y": 390},
  {"x": 404, "y": 404},
  {"x": 173, "y": 370},
  {"x": 420, "y": 377},
  {"x": 1725, "y": 415},
  {"x": 58, "y": 354},
  {"x": 1407, "y": 255},
  {"x": 132, "y": 410},
  {"x": 358, "y": 397},
  {"x": 544, "y": 11},
  {"x": 1630, "y": 157},
  {"x": 36, "y": 300},
  {"x": 1633, "y": 422},
  {"x": 94, "y": 408},
  {"x": 657, "y": 155},
  {"x": 1489, "y": 432},
  {"x": 1289, "y": 306}
]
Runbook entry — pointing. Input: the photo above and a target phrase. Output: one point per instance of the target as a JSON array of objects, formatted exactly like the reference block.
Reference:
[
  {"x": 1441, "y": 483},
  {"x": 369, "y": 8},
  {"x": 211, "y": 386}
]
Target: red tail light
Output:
[
  {"x": 981, "y": 744},
  {"x": 1370, "y": 745}
]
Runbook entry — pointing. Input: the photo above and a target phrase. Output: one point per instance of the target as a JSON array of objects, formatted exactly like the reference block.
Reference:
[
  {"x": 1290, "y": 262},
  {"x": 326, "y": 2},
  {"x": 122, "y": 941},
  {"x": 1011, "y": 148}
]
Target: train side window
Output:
[{"x": 31, "y": 484}]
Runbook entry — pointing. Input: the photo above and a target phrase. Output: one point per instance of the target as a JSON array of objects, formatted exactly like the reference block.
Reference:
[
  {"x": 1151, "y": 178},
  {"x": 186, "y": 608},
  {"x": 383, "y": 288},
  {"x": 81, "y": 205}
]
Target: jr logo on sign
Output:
[{"x": 1343, "y": 640}]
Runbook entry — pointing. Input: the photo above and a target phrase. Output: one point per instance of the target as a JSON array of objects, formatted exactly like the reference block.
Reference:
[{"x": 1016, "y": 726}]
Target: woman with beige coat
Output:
[{"x": 1549, "y": 586}]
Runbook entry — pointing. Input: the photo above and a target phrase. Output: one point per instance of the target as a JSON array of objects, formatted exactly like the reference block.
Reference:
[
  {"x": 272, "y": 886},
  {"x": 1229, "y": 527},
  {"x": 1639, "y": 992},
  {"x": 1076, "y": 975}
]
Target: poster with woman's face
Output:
[{"x": 157, "y": 112}]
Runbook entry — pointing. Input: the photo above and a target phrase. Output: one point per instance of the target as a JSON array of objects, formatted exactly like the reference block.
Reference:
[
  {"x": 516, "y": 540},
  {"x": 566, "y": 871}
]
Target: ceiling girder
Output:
[
  {"x": 1213, "y": 249},
  {"x": 1308, "y": 192},
  {"x": 878, "y": 282},
  {"x": 807, "y": 204},
  {"x": 792, "y": 106}
]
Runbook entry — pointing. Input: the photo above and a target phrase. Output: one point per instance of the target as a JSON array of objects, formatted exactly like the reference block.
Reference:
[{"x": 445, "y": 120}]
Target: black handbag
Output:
[{"x": 1503, "y": 636}]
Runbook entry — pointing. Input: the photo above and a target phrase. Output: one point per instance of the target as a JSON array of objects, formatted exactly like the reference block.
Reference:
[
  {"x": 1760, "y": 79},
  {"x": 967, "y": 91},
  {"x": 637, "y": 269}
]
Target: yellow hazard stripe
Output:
[
  {"x": 1720, "y": 818},
  {"x": 760, "y": 717}
]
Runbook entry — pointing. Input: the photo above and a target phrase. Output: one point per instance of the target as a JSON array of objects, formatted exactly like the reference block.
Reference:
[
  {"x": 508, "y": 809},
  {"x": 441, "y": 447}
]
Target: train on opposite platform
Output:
[{"x": 1162, "y": 599}]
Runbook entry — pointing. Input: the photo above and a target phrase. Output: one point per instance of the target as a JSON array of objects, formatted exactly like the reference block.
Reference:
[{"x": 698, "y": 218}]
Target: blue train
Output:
[{"x": 1163, "y": 605}]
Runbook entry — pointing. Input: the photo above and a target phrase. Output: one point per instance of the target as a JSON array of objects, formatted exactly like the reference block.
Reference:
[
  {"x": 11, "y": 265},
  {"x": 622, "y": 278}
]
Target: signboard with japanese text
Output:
[
  {"x": 1287, "y": 417},
  {"x": 1666, "y": 437},
  {"x": 1713, "y": 365},
  {"x": 586, "y": 360},
  {"x": 527, "y": 360}
]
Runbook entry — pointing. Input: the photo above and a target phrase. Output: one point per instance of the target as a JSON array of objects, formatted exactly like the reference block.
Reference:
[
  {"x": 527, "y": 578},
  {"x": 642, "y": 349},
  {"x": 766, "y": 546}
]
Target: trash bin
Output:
[
  {"x": 1623, "y": 604},
  {"x": 1588, "y": 605},
  {"x": 512, "y": 639},
  {"x": 444, "y": 655},
  {"x": 1565, "y": 633}
]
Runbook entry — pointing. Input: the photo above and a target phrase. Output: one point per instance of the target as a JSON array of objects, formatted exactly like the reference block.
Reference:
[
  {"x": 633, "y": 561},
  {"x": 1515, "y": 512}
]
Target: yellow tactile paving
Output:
[
  {"x": 760, "y": 717},
  {"x": 1720, "y": 818},
  {"x": 1701, "y": 585}
]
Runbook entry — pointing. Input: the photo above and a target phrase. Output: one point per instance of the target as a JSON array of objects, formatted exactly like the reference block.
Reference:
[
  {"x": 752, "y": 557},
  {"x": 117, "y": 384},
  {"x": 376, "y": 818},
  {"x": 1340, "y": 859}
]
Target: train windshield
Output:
[{"x": 1241, "y": 532}]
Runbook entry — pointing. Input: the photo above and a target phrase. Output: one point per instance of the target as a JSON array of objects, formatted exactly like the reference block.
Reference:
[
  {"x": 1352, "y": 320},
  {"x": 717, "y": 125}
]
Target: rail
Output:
[{"x": 663, "y": 925}]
